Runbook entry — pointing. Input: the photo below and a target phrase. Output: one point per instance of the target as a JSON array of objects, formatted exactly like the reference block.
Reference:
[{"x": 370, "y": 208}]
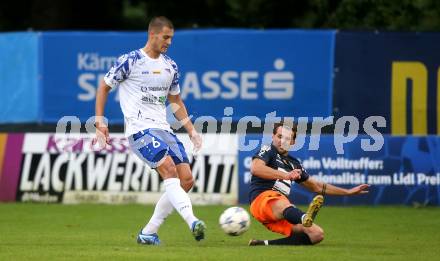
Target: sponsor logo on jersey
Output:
[{"x": 263, "y": 150}]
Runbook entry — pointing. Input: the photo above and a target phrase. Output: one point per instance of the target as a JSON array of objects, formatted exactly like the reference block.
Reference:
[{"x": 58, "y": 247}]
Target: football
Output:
[{"x": 234, "y": 221}]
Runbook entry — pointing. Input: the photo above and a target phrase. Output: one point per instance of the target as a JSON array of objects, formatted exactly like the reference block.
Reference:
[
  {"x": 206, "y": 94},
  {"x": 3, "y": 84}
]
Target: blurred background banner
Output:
[
  {"x": 73, "y": 63},
  {"x": 255, "y": 71},
  {"x": 294, "y": 73},
  {"x": 65, "y": 168},
  {"x": 404, "y": 171},
  {"x": 391, "y": 74},
  {"x": 286, "y": 71},
  {"x": 19, "y": 77},
  {"x": 290, "y": 72}
]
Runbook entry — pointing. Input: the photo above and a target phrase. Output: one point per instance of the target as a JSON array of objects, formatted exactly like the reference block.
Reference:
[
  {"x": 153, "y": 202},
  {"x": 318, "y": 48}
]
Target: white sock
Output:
[
  {"x": 162, "y": 210},
  {"x": 179, "y": 199}
]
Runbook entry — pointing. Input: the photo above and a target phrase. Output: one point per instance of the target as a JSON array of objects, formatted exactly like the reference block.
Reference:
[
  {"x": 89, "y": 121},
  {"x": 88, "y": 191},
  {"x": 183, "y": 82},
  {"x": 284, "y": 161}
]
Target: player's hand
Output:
[
  {"x": 102, "y": 136},
  {"x": 361, "y": 189},
  {"x": 295, "y": 174},
  {"x": 196, "y": 140}
]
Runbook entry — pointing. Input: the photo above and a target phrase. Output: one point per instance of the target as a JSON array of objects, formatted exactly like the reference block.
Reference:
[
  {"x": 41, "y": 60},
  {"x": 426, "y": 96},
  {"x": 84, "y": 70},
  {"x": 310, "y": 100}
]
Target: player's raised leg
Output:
[
  {"x": 283, "y": 209},
  {"x": 162, "y": 210},
  {"x": 313, "y": 210},
  {"x": 303, "y": 230},
  {"x": 151, "y": 146},
  {"x": 179, "y": 198},
  {"x": 164, "y": 207}
]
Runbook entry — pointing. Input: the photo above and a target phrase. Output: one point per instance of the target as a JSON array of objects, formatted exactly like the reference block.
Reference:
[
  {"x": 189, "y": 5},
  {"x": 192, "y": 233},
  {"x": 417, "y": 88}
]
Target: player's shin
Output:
[
  {"x": 293, "y": 215},
  {"x": 295, "y": 239},
  {"x": 162, "y": 210},
  {"x": 179, "y": 199}
]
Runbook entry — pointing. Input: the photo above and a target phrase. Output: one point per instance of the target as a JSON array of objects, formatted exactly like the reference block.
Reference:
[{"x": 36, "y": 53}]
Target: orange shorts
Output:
[{"x": 261, "y": 209}]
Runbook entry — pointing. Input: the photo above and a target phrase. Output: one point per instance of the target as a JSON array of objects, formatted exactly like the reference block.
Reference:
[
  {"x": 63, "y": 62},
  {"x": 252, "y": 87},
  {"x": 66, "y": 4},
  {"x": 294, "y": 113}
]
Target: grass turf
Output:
[{"x": 108, "y": 232}]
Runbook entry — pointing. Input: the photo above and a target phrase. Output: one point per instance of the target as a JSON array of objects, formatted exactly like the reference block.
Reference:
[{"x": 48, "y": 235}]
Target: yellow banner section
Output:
[
  {"x": 417, "y": 73},
  {"x": 3, "y": 138}
]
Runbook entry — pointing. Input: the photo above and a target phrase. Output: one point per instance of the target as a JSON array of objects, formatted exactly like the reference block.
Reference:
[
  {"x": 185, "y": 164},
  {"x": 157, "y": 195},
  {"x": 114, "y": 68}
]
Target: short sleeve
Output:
[
  {"x": 264, "y": 154},
  {"x": 175, "y": 88},
  {"x": 120, "y": 70}
]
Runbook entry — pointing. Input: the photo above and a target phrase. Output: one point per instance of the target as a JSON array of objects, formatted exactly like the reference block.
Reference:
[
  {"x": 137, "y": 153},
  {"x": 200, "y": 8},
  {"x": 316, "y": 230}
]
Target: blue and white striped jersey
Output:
[{"x": 144, "y": 84}]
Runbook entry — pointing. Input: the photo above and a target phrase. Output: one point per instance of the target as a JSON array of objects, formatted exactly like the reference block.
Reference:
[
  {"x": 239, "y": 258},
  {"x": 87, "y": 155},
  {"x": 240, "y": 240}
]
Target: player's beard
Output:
[{"x": 281, "y": 150}]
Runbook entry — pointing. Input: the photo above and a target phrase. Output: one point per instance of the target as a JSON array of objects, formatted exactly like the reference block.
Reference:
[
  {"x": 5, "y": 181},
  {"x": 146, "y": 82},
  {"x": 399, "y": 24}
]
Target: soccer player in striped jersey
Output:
[
  {"x": 273, "y": 170},
  {"x": 146, "y": 79}
]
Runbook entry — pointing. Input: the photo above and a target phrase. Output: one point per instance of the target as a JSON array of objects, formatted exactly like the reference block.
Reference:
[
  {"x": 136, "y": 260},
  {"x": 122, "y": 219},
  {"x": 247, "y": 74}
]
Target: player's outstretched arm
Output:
[
  {"x": 259, "y": 169},
  {"x": 361, "y": 189},
  {"x": 328, "y": 189},
  {"x": 102, "y": 134}
]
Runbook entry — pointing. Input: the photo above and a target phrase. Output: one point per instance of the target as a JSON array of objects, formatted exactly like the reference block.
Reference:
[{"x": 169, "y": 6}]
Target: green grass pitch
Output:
[{"x": 108, "y": 232}]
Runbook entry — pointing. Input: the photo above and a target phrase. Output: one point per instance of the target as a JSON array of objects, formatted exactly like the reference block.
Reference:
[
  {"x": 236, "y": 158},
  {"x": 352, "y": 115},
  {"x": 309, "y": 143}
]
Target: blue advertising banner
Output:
[
  {"x": 405, "y": 170},
  {"x": 394, "y": 75},
  {"x": 19, "y": 77},
  {"x": 255, "y": 72},
  {"x": 73, "y": 64}
]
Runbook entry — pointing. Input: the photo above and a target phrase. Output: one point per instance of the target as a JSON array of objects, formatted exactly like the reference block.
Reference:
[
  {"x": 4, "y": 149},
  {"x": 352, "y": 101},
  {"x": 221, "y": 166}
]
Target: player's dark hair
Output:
[
  {"x": 157, "y": 23},
  {"x": 294, "y": 127}
]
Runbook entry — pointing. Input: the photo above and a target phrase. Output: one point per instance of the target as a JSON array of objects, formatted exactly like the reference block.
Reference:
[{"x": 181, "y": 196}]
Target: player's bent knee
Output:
[
  {"x": 315, "y": 233},
  {"x": 185, "y": 176},
  {"x": 317, "y": 236},
  {"x": 171, "y": 171},
  {"x": 167, "y": 170},
  {"x": 187, "y": 183}
]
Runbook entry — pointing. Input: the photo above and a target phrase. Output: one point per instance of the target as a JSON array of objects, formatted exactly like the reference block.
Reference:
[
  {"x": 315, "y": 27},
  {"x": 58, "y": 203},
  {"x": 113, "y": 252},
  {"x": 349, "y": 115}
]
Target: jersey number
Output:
[{"x": 156, "y": 144}]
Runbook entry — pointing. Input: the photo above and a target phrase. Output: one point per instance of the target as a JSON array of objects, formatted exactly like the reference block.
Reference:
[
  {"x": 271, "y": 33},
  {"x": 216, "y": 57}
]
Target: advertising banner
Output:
[
  {"x": 389, "y": 74},
  {"x": 19, "y": 77},
  {"x": 404, "y": 171},
  {"x": 66, "y": 168},
  {"x": 277, "y": 71},
  {"x": 73, "y": 64}
]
